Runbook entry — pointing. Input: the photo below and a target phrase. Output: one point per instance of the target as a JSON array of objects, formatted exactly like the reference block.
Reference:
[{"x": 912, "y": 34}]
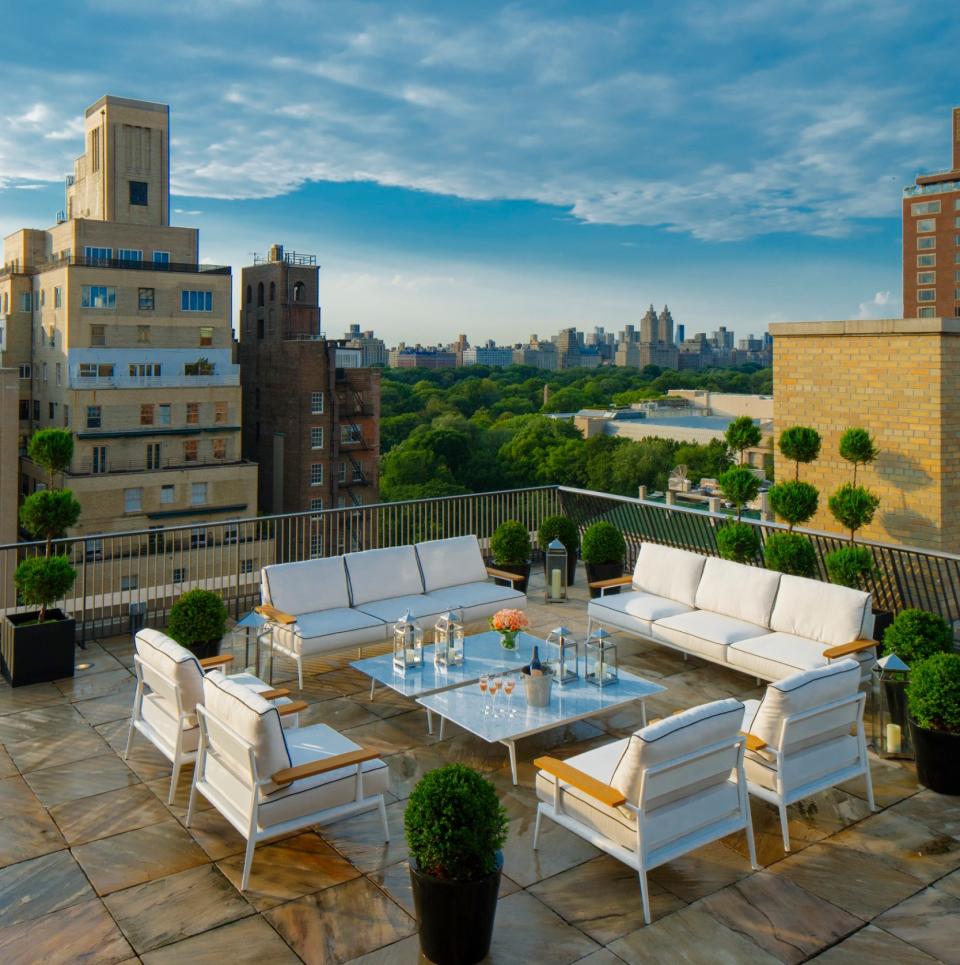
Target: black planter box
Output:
[
  {"x": 938, "y": 758},
  {"x": 34, "y": 653},
  {"x": 603, "y": 571},
  {"x": 520, "y": 570}
]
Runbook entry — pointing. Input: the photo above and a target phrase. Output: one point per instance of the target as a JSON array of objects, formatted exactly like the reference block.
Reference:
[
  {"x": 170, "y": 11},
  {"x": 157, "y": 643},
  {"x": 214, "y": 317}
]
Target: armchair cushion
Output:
[
  {"x": 667, "y": 572},
  {"x": 178, "y": 663},
  {"x": 373, "y": 573},
  {"x": 306, "y": 586},
  {"x": 820, "y": 611},
  {"x": 451, "y": 562},
  {"x": 705, "y": 633},
  {"x": 737, "y": 590}
]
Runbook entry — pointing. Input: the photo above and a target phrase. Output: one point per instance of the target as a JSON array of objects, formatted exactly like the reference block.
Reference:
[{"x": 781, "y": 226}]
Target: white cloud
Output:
[{"x": 882, "y": 305}]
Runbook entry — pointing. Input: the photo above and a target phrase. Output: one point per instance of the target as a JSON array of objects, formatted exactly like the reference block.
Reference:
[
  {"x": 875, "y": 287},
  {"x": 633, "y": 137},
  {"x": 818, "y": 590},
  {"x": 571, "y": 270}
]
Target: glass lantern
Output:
[
  {"x": 600, "y": 658},
  {"x": 448, "y": 641},
  {"x": 561, "y": 647},
  {"x": 891, "y": 731},
  {"x": 407, "y": 644},
  {"x": 556, "y": 558}
]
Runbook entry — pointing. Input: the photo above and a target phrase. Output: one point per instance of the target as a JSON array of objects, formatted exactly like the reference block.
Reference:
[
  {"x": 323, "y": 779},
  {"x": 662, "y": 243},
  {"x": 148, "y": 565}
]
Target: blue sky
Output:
[{"x": 502, "y": 169}]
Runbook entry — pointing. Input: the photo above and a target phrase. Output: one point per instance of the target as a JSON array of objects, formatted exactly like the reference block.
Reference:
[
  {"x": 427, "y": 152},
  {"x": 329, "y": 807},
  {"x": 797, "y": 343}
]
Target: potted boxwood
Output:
[
  {"x": 603, "y": 550},
  {"x": 795, "y": 502},
  {"x": 40, "y": 643},
  {"x": 455, "y": 828},
  {"x": 738, "y": 541},
  {"x": 565, "y": 530},
  {"x": 198, "y": 621},
  {"x": 933, "y": 697},
  {"x": 510, "y": 551}
]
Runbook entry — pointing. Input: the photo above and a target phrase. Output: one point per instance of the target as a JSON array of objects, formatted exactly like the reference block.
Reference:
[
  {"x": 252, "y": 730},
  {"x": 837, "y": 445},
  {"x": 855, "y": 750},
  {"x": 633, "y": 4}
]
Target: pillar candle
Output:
[
  {"x": 893, "y": 739},
  {"x": 555, "y": 584}
]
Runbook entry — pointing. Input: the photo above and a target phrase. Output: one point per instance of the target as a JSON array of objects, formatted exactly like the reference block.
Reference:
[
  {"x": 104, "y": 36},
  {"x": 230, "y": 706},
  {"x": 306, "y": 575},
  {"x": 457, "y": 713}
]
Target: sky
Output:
[{"x": 504, "y": 169}]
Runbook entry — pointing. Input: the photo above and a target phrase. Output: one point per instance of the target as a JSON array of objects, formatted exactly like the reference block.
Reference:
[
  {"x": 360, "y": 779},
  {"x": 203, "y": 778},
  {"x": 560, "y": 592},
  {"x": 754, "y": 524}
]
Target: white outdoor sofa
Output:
[
  {"x": 754, "y": 620},
  {"x": 316, "y": 606}
]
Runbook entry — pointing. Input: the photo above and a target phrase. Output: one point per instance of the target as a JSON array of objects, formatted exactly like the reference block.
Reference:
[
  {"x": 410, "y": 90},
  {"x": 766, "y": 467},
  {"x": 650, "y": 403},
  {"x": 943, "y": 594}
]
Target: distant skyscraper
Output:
[
  {"x": 665, "y": 327},
  {"x": 681, "y": 333},
  {"x": 649, "y": 327}
]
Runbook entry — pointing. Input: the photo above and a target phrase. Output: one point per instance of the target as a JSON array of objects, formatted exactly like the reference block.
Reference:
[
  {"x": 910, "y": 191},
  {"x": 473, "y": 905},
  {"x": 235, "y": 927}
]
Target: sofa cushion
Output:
[
  {"x": 478, "y": 600},
  {"x": 307, "y": 586},
  {"x": 639, "y": 606},
  {"x": 332, "y": 629},
  {"x": 775, "y": 655},
  {"x": 820, "y": 611},
  {"x": 705, "y": 633},
  {"x": 737, "y": 590},
  {"x": 421, "y": 607},
  {"x": 376, "y": 573},
  {"x": 174, "y": 662},
  {"x": 451, "y": 562},
  {"x": 667, "y": 572}
]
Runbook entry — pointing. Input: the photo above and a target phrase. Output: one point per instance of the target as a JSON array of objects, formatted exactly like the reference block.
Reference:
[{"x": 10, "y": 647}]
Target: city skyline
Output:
[{"x": 741, "y": 188}]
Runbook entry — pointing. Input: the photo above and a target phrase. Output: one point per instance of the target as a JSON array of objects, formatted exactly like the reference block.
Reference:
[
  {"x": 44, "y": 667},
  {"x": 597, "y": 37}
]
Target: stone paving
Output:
[{"x": 95, "y": 867}]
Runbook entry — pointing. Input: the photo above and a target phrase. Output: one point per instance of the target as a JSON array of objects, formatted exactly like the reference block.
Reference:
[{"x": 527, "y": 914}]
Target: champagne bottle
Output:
[{"x": 536, "y": 668}]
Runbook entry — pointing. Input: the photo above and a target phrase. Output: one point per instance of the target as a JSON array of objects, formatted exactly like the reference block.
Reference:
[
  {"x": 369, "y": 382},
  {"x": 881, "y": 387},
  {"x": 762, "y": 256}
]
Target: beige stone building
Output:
[
  {"x": 898, "y": 379},
  {"x": 121, "y": 335},
  {"x": 9, "y": 442}
]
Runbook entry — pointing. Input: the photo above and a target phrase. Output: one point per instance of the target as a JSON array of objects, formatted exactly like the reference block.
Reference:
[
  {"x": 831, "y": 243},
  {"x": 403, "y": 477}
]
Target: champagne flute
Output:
[
  {"x": 494, "y": 686},
  {"x": 509, "y": 682},
  {"x": 484, "y": 681}
]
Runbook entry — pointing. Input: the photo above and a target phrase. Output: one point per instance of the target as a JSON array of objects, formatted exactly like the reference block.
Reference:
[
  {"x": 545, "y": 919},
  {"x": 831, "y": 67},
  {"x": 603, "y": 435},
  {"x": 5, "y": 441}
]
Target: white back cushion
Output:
[
  {"x": 821, "y": 611},
  {"x": 451, "y": 562},
  {"x": 256, "y": 720},
  {"x": 737, "y": 590},
  {"x": 306, "y": 587},
  {"x": 381, "y": 574},
  {"x": 673, "y": 737},
  {"x": 669, "y": 572},
  {"x": 178, "y": 663},
  {"x": 803, "y": 691}
]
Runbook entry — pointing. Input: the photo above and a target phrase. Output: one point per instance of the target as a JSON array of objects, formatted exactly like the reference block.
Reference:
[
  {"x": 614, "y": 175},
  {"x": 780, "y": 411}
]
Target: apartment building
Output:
[
  {"x": 311, "y": 415},
  {"x": 931, "y": 240},
  {"x": 120, "y": 335}
]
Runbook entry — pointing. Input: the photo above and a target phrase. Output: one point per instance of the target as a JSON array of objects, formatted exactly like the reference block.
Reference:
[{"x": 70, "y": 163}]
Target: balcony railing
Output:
[
  {"x": 140, "y": 573},
  {"x": 139, "y": 265}
]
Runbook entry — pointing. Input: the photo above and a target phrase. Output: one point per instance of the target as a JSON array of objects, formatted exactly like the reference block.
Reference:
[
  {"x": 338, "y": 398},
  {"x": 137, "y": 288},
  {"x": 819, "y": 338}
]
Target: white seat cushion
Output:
[
  {"x": 375, "y": 573},
  {"x": 634, "y": 611},
  {"x": 332, "y": 629},
  {"x": 306, "y": 586},
  {"x": 173, "y": 661},
  {"x": 737, "y": 590},
  {"x": 805, "y": 766},
  {"x": 322, "y": 791},
  {"x": 774, "y": 655},
  {"x": 667, "y": 572},
  {"x": 161, "y": 715},
  {"x": 705, "y": 633},
  {"x": 421, "y": 606},
  {"x": 451, "y": 562},
  {"x": 820, "y": 611},
  {"x": 478, "y": 600}
]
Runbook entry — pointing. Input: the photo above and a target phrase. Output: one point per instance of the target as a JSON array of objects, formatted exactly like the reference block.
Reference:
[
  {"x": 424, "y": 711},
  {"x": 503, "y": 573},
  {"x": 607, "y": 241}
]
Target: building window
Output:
[
  {"x": 144, "y": 370},
  {"x": 927, "y": 295},
  {"x": 298, "y": 291},
  {"x": 146, "y": 415},
  {"x": 24, "y": 410},
  {"x": 219, "y": 448},
  {"x": 316, "y": 504},
  {"x": 925, "y": 207},
  {"x": 179, "y": 574},
  {"x": 36, "y": 410},
  {"x": 97, "y": 256},
  {"x": 167, "y": 493},
  {"x": 43, "y": 369},
  {"x": 220, "y": 412},
  {"x": 260, "y": 294},
  {"x": 132, "y": 500},
  {"x": 98, "y": 335},
  {"x": 98, "y": 460},
  {"x": 316, "y": 546},
  {"x": 316, "y": 437},
  {"x": 206, "y": 335},
  {"x": 130, "y": 254},
  {"x": 358, "y": 472},
  {"x": 926, "y": 277},
  {"x": 145, "y": 299},
  {"x": 138, "y": 193},
  {"x": 94, "y": 414},
  {"x": 341, "y": 472},
  {"x": 26, "y": 302},
  {"x": 59, "y": 370},
  {"x": 66, "y": 415},
  {"x": 249, "y": 294},
  {"x": 926, "y": 313},
  {"x": 58, "y": 297},
  {"x": 153, "y": 455},
  {"x": 350, "y": 435},
  {"x": 190, "y": 450},
  {"x": 24, "y": 370},
  {"x": 198, "y": 536},
  {"x": 246, "y": 566},
  {"x": 98, "y": 296},
  {"x": 316, "y": 403},
  {"x": 927, "y": 243},
  {"x": 193, "y": 413},
  {"x": 163, "y": 414},
  {"x": 316, "y": 474},
  {"x": 926, "y": 224},
  {"x": 926, "y": 261},
  {"x": 129, "y": 582},
  {"x": 196, "y": 301},
  {"x": 51, "y": 411},
  {"x": 161, "y": 257},
  {"x": 198, "y": 494}
]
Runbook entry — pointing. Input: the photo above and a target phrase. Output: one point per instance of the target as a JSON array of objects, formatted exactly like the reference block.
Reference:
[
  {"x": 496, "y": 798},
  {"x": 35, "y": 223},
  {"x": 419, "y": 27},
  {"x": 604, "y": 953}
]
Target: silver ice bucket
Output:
[{"x": 537, "y": 689}]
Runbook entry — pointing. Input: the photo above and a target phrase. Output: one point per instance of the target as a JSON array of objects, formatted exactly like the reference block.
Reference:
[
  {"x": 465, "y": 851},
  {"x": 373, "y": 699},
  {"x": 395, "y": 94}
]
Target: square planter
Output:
[{"x": 34, "y": 653}]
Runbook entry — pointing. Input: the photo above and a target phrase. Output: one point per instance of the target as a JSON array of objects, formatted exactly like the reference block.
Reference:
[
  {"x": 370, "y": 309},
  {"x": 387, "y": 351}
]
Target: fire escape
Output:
[{"x": 353, "y": 441}]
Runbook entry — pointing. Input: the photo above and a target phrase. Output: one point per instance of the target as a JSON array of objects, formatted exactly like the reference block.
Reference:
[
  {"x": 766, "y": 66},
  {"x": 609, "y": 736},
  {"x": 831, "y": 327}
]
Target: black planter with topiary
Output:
[
  {"x": 198, "y": 621},
  {"x": 603, "y": 550},
  {"x": 565, "y": 530},
  {"x": 510, "y": 551},
  {"x": 455, "y": 828},
  {"x": 38, "y": 652},
  {"x": 934, "y": 700}
]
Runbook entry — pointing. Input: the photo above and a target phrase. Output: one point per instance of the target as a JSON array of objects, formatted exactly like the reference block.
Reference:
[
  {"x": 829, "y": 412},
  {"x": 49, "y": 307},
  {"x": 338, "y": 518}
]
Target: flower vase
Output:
[{"x": 508, "y": 639}]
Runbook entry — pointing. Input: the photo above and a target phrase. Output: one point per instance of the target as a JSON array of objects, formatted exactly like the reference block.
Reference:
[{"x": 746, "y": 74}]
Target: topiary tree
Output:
[
  {"x": 800, "y": 444},
  {"x": 934, "y": 693},
  {"x": 739, "y": 486},
  {"x": 603, "y": 543},
  {"x": 510, "y": 544},
  {"x": 742, "y": 434},
  {"x": 853, "y": 507},
  {"x": 561, "y": 528},
  {"x": 917, "y": 634},
  {"x": 850, "y": 566},
  {"x": 198, "y": 619},
  {"x": 794, "y": 501},
  {"x": 857, "y": 447},
  {"x": 738, "y": 541},
  {"x": 790, "y": 553}
]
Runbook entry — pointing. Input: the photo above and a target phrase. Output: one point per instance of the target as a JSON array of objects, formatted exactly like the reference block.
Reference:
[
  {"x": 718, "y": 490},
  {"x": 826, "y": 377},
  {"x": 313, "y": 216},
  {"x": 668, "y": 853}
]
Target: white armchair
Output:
[
  {"x": 268, "y": 781},
  {"x": 670, "y": 788},
  {"x": 805, "y": 735},
  {"x": 169, "y": 690}
]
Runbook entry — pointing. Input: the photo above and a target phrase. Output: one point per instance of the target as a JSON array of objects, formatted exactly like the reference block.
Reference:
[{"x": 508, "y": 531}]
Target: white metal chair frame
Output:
[
  {"x": 247, "y": 824},
  {"x": 782, "y": 797},
  {"x": 642, "y": 859}
]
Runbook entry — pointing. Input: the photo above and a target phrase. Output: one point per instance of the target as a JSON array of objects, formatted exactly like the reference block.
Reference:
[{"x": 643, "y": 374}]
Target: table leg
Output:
[
  {"x": 430, "y": 721},
  {"x": 512, "y": 748},
  {"x": 643, "y": 713},
  {"x": 442, "y": 722},
  {"x": 373, "y": 686}
]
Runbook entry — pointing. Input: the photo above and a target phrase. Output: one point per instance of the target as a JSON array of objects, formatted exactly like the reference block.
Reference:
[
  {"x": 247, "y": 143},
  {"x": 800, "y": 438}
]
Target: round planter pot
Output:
[
  {"x": 455, "y": 918},
  {"x": 203, "y": 650},
  {"x": 602, "y": 571},
  {"x": 938, "y": 759},
  {"x": 520, "y": 570}
]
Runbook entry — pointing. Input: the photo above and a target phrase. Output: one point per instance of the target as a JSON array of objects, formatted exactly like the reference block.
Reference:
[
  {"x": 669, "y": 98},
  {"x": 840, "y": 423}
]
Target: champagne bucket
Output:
[{"x": 537, "y": 689}]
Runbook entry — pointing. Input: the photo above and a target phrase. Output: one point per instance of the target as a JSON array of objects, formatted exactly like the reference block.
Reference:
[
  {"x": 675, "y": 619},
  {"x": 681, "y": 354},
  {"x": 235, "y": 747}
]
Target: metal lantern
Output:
[
  {"x": 561, "y": 648},
  {"x": 407, "y": 644},
  {"x": 891, "y": 732},
  {"x": 600, "y": 658},
  {"x": 448, "y": 641},
  {"x": 556, "y": 557}
]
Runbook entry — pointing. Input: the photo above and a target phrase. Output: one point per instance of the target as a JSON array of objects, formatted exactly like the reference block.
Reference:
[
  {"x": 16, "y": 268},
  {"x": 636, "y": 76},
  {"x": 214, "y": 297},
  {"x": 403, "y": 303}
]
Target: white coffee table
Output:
[
  {"x": 482, "y": 655},
  {"x": 575, "y": 700}
]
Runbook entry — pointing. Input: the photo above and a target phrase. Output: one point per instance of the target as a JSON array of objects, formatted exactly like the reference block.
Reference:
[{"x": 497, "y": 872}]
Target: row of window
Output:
[
  {"x": 136, "y": 370},
  {"x": 98, "y": 335},
  {"x": 930, "y": 277},
  {"x": 930, "y": 261},
  {"x": 299, "y": 290},
  {"x": 105, "y": 297},
  {"x": 133, "y": 498},
  {"x": 928, "y": 312},
  {"x": 316, "y": 473},
  {"x": 160, "y": 414},
  {"x": 930, "y": 207},
  {"x": 105, "y": 255},
  {"x": 99, "y": 462},
  {"x": 929, "y": 242}
]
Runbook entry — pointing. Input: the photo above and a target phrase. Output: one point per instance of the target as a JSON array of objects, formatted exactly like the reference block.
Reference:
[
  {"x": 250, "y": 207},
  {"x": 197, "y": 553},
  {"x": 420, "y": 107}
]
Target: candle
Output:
[
  {"x": 555, "y": 584},
  {"x": 411, "y": 656},
  {"x": 893, "y": 739}
]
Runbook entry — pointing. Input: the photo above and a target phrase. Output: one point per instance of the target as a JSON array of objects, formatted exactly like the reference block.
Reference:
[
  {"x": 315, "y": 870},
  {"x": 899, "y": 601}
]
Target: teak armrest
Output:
[
  {"x": 274, "y": 694},
  {"x": 502, "y": 574},
  {"x": 313, "y": 768},
  {"x": 753, "y": 742},
  {"x": 293, "y": 707},
  {"x": 224, "y": 658},
  {"x": 272, "y": 613},
  {"x": 616, "y": 581},
  {"x": 844, "y": 649},
  {"x": 604, "y": 793}
]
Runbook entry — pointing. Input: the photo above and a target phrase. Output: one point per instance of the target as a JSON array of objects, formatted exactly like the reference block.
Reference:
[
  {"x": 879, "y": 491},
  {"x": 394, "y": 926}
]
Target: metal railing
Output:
[{"x": 82, "y": 261}]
